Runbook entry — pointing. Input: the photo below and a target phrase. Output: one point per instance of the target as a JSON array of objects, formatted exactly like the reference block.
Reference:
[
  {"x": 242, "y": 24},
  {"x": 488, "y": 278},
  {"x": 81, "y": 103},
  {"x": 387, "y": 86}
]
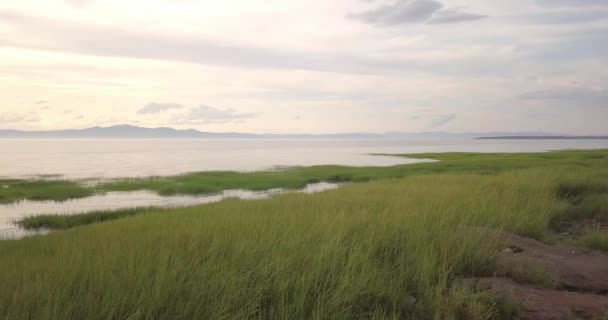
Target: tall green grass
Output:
[
  {"x": 362, "y": 251},
  {"x": 12, "y": 190},
  {"x": 597, "y": 240},
  {"x": 66, "y": 221},
  {"x": 386, "y": 249}
]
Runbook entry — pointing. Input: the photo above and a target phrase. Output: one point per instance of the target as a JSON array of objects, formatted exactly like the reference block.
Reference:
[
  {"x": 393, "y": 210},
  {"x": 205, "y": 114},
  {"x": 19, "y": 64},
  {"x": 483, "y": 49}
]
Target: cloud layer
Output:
[
  {"x": 306, "y": 65},
  {"x": 414, "y": 11},
  {"x": 204, "y": 114},
  {"x": 11, "y": 118},
  {"x": 154, "y": 107},
  {"x": 572, "y": 3},
  {"x": 442, "y": 120},
  {"x": 573, "y": 97}
]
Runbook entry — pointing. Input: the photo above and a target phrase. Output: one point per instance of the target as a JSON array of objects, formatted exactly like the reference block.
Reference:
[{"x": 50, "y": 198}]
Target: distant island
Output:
[
  {"x": 134, "y": 132},
  {"x": 544, "y": 138}
]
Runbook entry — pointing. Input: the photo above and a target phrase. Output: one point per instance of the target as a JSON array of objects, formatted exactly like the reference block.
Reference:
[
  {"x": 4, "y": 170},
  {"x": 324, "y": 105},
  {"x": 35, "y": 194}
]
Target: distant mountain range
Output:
[{"x": 134, "y": 132}]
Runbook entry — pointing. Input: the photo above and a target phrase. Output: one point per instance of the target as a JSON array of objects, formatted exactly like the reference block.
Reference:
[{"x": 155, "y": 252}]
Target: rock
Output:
[
  {"x": 541, "y": 304},
  {"x": 516, "y": 249},
  {"x": 512, "y": 249}
]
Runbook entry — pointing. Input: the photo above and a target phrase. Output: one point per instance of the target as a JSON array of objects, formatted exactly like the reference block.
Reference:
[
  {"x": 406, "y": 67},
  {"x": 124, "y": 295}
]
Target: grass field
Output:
[{"x": 385, "y": 249}]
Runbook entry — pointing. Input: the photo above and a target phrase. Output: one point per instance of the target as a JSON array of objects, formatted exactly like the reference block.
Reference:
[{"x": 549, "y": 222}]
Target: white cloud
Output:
[
  {"x": 155, "y": 107},
  {"x": 440, "y": 121},
  {"x": 78, "y": 3},
  {"x": 12, "y": 118},
  {"x": 414, "y": 11},
  {"x": 454, "y": 15},
  {"x": 570, "y": 96},
  {"x": 402, "y": 11},
  {"x": 204, "y": 114},
  {"x": 572, "y": 3}
]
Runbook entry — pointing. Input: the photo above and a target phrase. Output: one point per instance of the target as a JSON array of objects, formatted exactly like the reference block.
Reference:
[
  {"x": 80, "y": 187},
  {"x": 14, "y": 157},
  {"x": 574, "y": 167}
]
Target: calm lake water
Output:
[
  {"x": 74, "y": 159},
  {"x": 100, "y": 159}
]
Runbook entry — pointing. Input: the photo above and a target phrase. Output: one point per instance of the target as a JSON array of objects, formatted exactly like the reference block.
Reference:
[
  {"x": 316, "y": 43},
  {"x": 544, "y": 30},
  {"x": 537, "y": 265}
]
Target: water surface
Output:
[
  {"x": 107, "y": 158},
  {"x": 11, "y": 213}
]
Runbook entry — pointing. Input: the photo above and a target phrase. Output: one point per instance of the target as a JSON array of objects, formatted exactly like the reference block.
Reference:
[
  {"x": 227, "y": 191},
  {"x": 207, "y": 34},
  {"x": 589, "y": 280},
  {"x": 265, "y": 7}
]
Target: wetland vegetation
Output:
[{"x": 390, "y": 247}]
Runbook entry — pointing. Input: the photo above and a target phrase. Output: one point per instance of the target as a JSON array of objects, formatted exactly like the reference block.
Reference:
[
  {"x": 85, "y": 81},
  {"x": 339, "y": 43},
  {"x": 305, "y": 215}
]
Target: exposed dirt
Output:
[
  {"x": 571, "y": 268},
  {"x": 545, "y": 282},
  {"x": 534, "y": 303}
]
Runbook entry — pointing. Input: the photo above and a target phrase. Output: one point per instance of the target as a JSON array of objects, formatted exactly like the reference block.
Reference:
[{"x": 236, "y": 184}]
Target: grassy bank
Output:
[
  {"x": 12, "y": 190},
  {"x": 60, "y": 222},
  {"x": 385, "y": 249},
  {"x": 293, "y": 178}
]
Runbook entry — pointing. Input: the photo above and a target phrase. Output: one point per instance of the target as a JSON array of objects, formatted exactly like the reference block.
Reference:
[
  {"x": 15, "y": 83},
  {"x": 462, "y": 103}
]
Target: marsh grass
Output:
[
  {"x": 355, "y": 252},
  {"x": 198, "y": 183},
  {"x": 358, "y": 252},
  {"x": 597, "y": 240},
  {"x": 585, "y": 219},
  {"x": 298, "y": 177},
  {"x": 12, "y": 190},
  {"x": 587, "y": 208},
  {"x": 60, "y": 222}
]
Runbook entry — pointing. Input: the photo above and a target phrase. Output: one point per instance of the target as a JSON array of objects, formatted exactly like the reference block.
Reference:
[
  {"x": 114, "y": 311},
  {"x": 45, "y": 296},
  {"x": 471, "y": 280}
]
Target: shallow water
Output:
[
  {"x": 76, "y": 159},
  {"x": 11, "y": 213}
]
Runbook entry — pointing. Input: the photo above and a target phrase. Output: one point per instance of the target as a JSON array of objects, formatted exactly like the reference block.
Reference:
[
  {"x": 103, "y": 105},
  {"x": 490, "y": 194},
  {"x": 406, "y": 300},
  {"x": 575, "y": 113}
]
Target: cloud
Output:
[
  {"x": 567, "y": 17},
  {"x": 204, "y": 114},
  {"x": 64, "y": 36},
  {"x": 154, "y": 107},
  {"x": 442, "y": 120},
  {"x": 401, "y": 12},
  {"x": 74, "y": 37},
  {"x": 588, "y": 45},
  {"x": 454, "y": 15},
  {"x": 10, "y": 118},
  {"x": 577, "y": 97},
  {"x": 572, "y": 3},
  {"x": 414, "y": 11},
  {"x": 78, "y": 3}
]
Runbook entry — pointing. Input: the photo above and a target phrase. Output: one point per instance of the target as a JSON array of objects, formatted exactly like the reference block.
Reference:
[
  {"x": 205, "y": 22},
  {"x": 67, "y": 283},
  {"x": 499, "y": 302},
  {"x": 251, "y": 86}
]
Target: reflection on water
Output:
[{"x": 11, "y": 213}]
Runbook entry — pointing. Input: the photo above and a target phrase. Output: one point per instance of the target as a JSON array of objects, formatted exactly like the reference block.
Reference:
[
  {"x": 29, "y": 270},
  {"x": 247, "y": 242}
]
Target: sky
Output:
[{"x": 306, "y": 66}]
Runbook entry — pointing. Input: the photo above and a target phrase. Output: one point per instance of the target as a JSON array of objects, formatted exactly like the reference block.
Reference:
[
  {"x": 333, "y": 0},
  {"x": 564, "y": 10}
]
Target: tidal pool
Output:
[{"x": 11, "y": 213}]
